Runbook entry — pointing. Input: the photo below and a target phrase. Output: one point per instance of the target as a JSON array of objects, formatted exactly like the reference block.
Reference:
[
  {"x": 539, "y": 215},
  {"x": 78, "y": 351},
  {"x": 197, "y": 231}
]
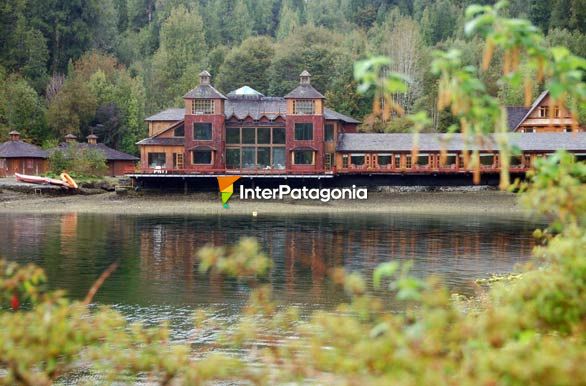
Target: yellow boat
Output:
[{"x": 68, "y": 180}]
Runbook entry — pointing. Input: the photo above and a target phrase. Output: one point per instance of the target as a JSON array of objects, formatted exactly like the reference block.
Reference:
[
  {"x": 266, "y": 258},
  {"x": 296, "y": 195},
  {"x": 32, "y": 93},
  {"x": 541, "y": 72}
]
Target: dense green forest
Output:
[{"x": 101, "y": 66}]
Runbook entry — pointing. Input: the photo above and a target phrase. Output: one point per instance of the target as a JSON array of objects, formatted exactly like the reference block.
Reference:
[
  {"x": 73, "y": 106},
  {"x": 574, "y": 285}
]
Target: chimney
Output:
[
  {"x": 305, "y": 78},
  {"x": 14, "y": 135},
  {"x": 204, "y": 78},
  {"x": 70, "y": 138},
  {"x": 92, "y": 139}
]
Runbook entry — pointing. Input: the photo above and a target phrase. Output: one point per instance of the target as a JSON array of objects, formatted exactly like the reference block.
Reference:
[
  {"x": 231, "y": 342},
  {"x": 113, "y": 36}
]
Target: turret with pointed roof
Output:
[
  {"x": 204, "y": 90},
  {"x": 305, "y": 90}
]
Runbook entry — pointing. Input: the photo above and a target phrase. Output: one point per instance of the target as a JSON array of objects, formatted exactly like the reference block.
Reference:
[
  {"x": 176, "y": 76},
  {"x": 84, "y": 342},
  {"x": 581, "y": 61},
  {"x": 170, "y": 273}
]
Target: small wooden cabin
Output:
[
  {"x": 17, "y": 156},
  {"x": 543, "y": 116},
  {"x": 119, "y": 163}
]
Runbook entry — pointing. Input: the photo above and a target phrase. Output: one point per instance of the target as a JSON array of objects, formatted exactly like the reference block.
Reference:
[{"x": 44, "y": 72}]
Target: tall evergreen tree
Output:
[{"x": 247, "y": 65}]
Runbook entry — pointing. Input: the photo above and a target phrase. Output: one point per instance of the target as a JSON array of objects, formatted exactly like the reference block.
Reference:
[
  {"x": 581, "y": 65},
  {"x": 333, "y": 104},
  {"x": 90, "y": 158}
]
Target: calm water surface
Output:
[{"x": 158, "y": 277}]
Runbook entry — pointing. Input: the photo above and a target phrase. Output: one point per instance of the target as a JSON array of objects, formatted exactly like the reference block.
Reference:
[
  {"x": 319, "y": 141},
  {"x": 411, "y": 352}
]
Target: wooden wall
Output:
[{"x": 29, "y": 166}]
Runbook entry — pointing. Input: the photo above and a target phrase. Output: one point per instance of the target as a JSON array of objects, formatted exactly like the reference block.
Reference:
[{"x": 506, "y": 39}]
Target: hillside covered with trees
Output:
[{"x": 101, "y": 66}]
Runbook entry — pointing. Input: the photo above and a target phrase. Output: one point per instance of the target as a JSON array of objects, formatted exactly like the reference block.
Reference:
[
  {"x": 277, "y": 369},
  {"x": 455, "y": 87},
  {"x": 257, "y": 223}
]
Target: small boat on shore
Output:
[
  {"x": 68, "y": 180},
  {"x": 65, "y": 181}
]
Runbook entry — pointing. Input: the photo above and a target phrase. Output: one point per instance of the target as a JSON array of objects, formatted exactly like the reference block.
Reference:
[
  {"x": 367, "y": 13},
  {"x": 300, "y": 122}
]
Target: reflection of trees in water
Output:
[{"x": 159, "y": 254}]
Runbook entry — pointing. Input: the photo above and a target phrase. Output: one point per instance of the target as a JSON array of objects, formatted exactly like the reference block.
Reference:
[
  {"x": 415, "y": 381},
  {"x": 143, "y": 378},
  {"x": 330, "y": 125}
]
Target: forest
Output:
[{"x": 102, "y": 66}]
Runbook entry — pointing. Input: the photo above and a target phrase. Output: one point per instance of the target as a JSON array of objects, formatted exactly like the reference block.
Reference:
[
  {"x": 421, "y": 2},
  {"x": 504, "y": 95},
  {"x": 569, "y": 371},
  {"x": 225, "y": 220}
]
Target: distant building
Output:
[
  {"x": 250, "y": 134},
  {"x": 541, "y": 117},
  {"x": 118, "y": 162},
  {"x": 245, "y": 131},
  {"x": 17, "y": 156}
]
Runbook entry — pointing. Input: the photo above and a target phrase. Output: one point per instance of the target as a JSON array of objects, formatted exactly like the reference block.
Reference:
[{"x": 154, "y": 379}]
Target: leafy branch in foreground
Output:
[{"x": 531, "y": 330}]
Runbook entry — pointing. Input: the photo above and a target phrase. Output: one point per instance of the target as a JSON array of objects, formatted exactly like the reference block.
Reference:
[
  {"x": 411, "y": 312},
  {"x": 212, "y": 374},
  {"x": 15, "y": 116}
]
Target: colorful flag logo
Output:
[{"x": 227, "y": 188}]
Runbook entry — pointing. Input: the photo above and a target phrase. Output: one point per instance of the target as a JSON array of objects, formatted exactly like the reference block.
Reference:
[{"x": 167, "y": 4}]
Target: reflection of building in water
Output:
[{"x": 68, "y": 233}]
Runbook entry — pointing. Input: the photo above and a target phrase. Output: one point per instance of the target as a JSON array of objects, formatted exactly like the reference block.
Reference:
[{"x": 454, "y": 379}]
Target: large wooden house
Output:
[
  {"x": 17, "y": 156},
  {"x": 245, "y": 132},
  {"x": 542, "y": 116}
]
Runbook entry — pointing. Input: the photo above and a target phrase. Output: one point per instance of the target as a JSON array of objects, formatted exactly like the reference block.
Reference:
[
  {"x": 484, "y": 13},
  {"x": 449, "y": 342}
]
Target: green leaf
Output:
[{"x": 382, "y": 271}]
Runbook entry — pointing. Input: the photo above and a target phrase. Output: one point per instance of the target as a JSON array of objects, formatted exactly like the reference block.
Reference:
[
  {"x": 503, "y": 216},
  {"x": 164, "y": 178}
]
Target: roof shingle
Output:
[
  {"x": 364, "y": 142},
  {"x": 109, "y": 153},
  {"x": 19, "y": 149}
]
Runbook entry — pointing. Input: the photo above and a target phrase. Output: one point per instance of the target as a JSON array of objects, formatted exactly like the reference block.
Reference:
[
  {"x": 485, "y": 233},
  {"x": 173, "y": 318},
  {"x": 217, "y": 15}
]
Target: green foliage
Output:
[
  {"x": 77, "y": 160},
  {"x": 243, "y": 260},
  {"x": 22, "y": 108},
  {"x": 248, "y": 65}
]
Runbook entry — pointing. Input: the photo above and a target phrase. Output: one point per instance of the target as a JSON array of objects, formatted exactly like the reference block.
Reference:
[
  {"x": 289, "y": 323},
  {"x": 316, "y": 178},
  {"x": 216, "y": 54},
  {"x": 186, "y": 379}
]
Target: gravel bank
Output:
[{"x": 457, "y": 202}]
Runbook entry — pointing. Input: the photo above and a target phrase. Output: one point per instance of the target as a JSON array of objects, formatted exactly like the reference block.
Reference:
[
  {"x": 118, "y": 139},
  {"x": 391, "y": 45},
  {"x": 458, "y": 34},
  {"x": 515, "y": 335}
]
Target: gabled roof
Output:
[
  {"x": 535, "y": 104},
  {"x": 204, "y": 91},
  {"x": 172, "y": 114},
  {"x": 109, "y": 153},
  {"x": 304, "y": 91},
  {"x": 19, "y": 149},
  {"x": 361, "y": 142},
  {"x": 163, "y": 141},
  {"x": 515, "y": 115},
  {"x": 336, "y": 116}
]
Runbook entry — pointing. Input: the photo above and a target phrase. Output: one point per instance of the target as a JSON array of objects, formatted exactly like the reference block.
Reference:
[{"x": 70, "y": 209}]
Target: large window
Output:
[
  {"x": 303, "y": 157},
  {"x": 156, "y": 160},
  {"x": 233, "y": 158},
  {"x": 304, "y": 106},
  {"x": 543, "y": 111},
  {"x": 486, "y": 159},
  {"x": 202, "y": 106},
  {"x": 202, "y": 157},
  {"x": 304, "y": 131},
  {"x": 423, "y": 159},
  {"x": 255, "y": 148},
  {"x": 202, "y": 131},
  {"x": 248, "y": 135},
  {"x": 279, "y": 135},
  {"x": 233, "y": 135},
  {"x": 329, "y": 132},
  {"x": 179, "y": 131},
  {"x": 384, "y": 159},
  {"x": 357, "y": 159}
]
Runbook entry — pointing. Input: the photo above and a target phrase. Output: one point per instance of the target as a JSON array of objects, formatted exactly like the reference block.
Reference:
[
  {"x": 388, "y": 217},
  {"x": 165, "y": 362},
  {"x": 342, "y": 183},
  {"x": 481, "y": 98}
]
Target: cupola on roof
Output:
[
  {"x": 205, "y": 90},
  {"x": 245, "y": 90},
  {"x": 305, "y": 90}
]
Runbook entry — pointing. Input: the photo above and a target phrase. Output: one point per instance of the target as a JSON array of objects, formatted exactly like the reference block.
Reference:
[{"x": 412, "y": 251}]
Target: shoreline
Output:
[{"x": 485, "y": 202}]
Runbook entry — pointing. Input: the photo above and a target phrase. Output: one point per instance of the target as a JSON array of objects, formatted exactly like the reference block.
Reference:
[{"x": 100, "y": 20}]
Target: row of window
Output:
[
  {"x": 246, "y": 157},
  {"x": 536, "y": 130},
  {"x": 394, "y": 160},
  {"x": 202, "y": 131},
  {"x": 207, "y": 106},
  {"x": 544, "y": 111}
]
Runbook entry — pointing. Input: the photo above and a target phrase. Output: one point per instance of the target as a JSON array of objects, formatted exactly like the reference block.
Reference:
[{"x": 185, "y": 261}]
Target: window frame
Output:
[
  {"x": 333, "y": 131},
  {"x": 304, "y": 107},
  {"x": 211, "y": 129},
  {"x": 158, "y": 153},
  {"x": 294, "y": 157},
  {"x": 210, "y": 151},
  {"x": 203, "y": 106},
  {"x": 298, "y": 126}
]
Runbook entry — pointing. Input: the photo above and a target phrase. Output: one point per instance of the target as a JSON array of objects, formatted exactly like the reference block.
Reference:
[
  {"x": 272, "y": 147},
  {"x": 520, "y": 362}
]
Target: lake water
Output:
[{"x": 158, "y": 277}]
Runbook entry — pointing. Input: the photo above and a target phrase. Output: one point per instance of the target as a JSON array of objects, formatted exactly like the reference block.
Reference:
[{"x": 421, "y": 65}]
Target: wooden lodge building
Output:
[
  {"x": 17, "y": 156},
  {"x": 542, "y": 117},
  {"x": 118, "y": 163},
  {"x": 245, "y": 131},
  {"x": 249, "y": 134}
]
